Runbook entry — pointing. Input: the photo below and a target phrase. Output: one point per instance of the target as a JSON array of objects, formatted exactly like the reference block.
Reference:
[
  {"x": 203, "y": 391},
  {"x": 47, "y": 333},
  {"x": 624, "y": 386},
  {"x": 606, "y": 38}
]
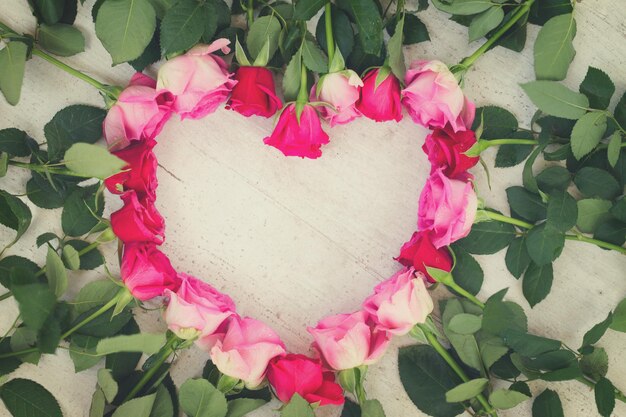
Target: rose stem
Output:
[
  {"x": 44, "y": 169},
  {"x": 330, "y": 40},
  {"x": 250, "y": 12}
]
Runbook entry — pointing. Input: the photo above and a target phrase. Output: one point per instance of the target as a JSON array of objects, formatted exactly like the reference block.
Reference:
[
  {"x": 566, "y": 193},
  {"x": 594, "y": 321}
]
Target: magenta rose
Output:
[
  {"x": 139, "y": 113},
  {"x": 433, "y": 97},
  {"x": 446, "y": 149},
  {"x": 245, "y": 350},
  {"x": 138, "y": 220},
  {"x": 199, "y": 79},
  {"x": 139, "y": 174},
  {"x": 342, "y": 91},
  {"x": 400, "y": 302},
  {"x": 419, "y": 253},
  {"x": 380, "y": 102},
  {"x": 197, "y": 309},
  {"x": 447, "y": 208},
  {"x": 346, "y": 341},
  {"x": 146, "y": 271}
]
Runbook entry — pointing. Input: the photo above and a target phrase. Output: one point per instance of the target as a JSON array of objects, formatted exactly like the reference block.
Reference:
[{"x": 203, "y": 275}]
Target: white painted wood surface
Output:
[{"x": 295, "y": 240}]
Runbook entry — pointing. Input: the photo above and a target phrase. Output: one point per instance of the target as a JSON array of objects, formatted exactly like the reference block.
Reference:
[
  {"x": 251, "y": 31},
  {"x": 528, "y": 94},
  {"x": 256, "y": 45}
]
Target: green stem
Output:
[
  {"x": 521, "y": 11},
  {"x": 497, "y": 142},
  {"x": 250, "y": 13},
  {"x": 619, "y": 395},
  {"x": 432, "y": 339},
  {"x": 5, "y": 295},
  {"x": 330, "y": 40},
  {"x": 47, "y": 169},
  {"x": 456, "y": 287},
  {"x": 505, "y": 219}
]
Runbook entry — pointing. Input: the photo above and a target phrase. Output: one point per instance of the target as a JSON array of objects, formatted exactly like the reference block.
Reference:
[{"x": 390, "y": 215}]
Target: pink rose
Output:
[
  {"x": 139, "y": 113},
  {"x": 138, "y": 220},
  {"x": 446, "y": 149},
  {"x": 197, "y": 309},
  {"x": 447, "y": 208},
  {"x": 341, "y": 90},
  {"x": 380, "y": 102},
  {"x": 346, "y": 341},
  {"x": 199, "y": 80},
  {"x": 146, "y": 271},
  {"x": 245, "y": 350},
  {"x": 400, "y": 302},
  {"x": 433, "y": 97},
  {"x": 139, "y": 174},
  {"x": 298, "y": 138},
  {"x": 298, "y": 374}
]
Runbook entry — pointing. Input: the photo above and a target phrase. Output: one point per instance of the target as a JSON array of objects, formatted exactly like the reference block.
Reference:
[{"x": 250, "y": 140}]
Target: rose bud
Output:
[
  {"x": 419, "y": 252},
  {"x": 138, "y": 220},
  {"x": 254, "y": 93},
  {"x": 400, "y": 302},
  {"x": 433, "y": 97},
  {"x": 380, "y": 102},
  {"x": 140, "y": 172},
  {"x": 302, "y": 138},
  {"x": 446, "y": 150},
  {"x": 447, "y": 208},
  {"x": 341, "y": 91},
  {"x": 199, "y": 79},
  {"x": 197, "y": 309},
  {"x": 146, "y": 271},
  {"x": 346, "y": 341},
  {"x": 298, "y": 374},
  {"x": 245, "y": 350},
  {"x": 139, "y": 113}
]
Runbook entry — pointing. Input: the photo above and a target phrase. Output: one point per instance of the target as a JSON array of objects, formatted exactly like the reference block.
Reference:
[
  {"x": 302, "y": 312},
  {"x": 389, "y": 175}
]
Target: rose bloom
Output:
[
  {"x": 400, "y": 302},
  {"x": 419, "y": 252},
  {"x": 341, "y": 90},
  {"x": 294, "y": 138},
  {"x": 445, "y": 149},
  {"x": 447, "y": 208},
  {"x": 346, "y": 341},
  {"x": 197, "y": 309},
  {"x": 245, "y": 350},
  {"x": 254, "y": 93},
  {"x": 146, "y": 271},
  {"x": 433, "y": 97},
  {"x": 199, "y": 80},
  {"x": 140, "y": 171},
  {"x": 138, "y": 220},
  {"x": 298, "y": 374},
  {"x": 380, "y": 103}
]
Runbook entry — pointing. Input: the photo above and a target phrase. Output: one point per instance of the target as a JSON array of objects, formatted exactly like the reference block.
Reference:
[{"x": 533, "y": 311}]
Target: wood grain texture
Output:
[{"x": 295, "y": 240}]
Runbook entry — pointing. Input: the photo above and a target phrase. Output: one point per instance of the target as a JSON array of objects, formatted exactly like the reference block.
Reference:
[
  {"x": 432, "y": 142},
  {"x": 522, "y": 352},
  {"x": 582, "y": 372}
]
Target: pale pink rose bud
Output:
[{"x": 342, "y": 91}]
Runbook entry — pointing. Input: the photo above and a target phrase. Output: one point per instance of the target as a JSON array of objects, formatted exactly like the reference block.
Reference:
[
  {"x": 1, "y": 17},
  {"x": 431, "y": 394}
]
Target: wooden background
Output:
[{"x": 295, "y": 240}]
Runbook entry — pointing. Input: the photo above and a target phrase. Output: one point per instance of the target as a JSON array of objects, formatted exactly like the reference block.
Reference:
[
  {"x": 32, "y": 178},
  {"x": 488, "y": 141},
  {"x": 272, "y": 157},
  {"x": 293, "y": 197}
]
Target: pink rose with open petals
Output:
[
  {"x": 447, "y": 208},
  {"x": 139, "y": 113},
  {"x": 346, "y": 341},
  {"x": 245, "y": 350},
  {"x": 139, "y": 174},
  {"x": 433, "y": 97},
  {"x": 199, "y": 80},
  {"x": 380, "y": 102},
  {"x": 197, "y": 309},
  {"x": 400, "y": 302},
  {"x": 138, "y": 220},
  {"x": 342, "y": 91},
  {"x": 298, "y": 374},
  {"x": 146, "y": 271}
]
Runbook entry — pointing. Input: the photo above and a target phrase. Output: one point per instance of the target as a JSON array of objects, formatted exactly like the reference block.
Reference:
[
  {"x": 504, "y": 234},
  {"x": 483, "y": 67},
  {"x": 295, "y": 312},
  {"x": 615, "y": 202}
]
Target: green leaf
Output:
[
  {"x": 36, "y": 302},
  {"x": 182, "y": 26},
  {"x": 528, "y": 178},
  {"x": 557, "y": 100},
  {"x": 163, "y": 403},
  {"x": 619, "y": 317},
  {"x": 241, "y": 406},
  {"x": 94, "y": 294},
  {"x": 368, "y": 21},
  {"x": 415, "y": 31},
  {"x": 595, "y": 364},
  {"x": 24, "y": 398},
  {"x": 9, "y": 262},
  {"x": 554, "y": 50},
  {"x": 526, "y": 204},
  {"x": 554, "y": 178},
  {"x": 426, "y": 378},
  {"x": 598, "y": 88},
  {"x": 595, "y": 182},
  {"x": 83, "y": 352},
  {"x": 465, "y": 323},
  {"x": 511, "y": 155},
  {"x": 604, "y": 393},
  {"x": 263, "y": 28},
  {"x": 125, "y": 28},
  {"x": 14, "y": 214},
  {"x": 537, "y": 282},
  {"x": 544, "y": 244},
  {"x": 48, "y": 11},
  {"x": 107, "y": 384},
  {"x": 596, "y": 332},
  {"x": 394, "y": 50},
  {"x": 620, "y": 111},
  {"x": 517, "y": 258},
  {"x": 467, "y": 271},
  {"x": 25, "y": 338},
  {"x": 12, "y": 64},
  {"x": 552, "y": 361},
  {"x": 466, "y": 390},
  {"x": 81, "y": 210},
  {"x": 619, "y": 209},
  {"x": 88, "y": 260},
  {"x": 372, "y": 408},
  {"x": 92, "y": 161},
  {"x": 591, "y": 211},
  {"x": 306, "y": 9},
  {"x": 614, "y": 149},
  {"x": 544, "y": 10},
  {"x": 73, "y": 124},
  {"x": 547, "y": 404},
  {"x": 612, "y": 231},
  {"x": 351, "y": 409},
  {"x": 342, "y": 31},
  {"x": 500, "y": 316},
  {"x": 587, "y": 133},
  {"x": 137, "y": 407},
  {"x": 503, "y": 399},
  {"x": 149, "y": 343},
  {"x": 71, "y": 259},
  {"x": 462, "y": 7},
  {"x": 485, "y": 22},
  {"x": 61, "y": 39},
  {"x": 98, "y": 404},
  {"x": 8, "y": 365},
  {"x": 529, "y": 345},
  {"x": 313, "y": 57},
  {"x": 464, "y": 344},
  {"x": 497, "y": 122},
  {"x": 199, "y": 398},
  {"x": 487, "y": 238},
  {"x": 492, "y": 349},
  {"x": 15, "y": 142},
  {"x": 291, "y": 80},
  {"x": 56, "y": 273},
  {"x": 562, "y": 211}
]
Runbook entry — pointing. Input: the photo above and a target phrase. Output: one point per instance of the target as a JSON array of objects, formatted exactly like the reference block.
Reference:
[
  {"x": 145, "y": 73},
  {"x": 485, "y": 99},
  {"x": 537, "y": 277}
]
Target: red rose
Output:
[
  {"x": 254, "y": 93},
  {"x": 420, "y": 252},
  {"x": 298, "y": 374},
  {"x": 147, "y": 272},
  {"x": 382, "y": 102},
  {"x": 445, "y": 149},
  {"x": 140, "y": 173},
  {"x": 138, "y": 220}
]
